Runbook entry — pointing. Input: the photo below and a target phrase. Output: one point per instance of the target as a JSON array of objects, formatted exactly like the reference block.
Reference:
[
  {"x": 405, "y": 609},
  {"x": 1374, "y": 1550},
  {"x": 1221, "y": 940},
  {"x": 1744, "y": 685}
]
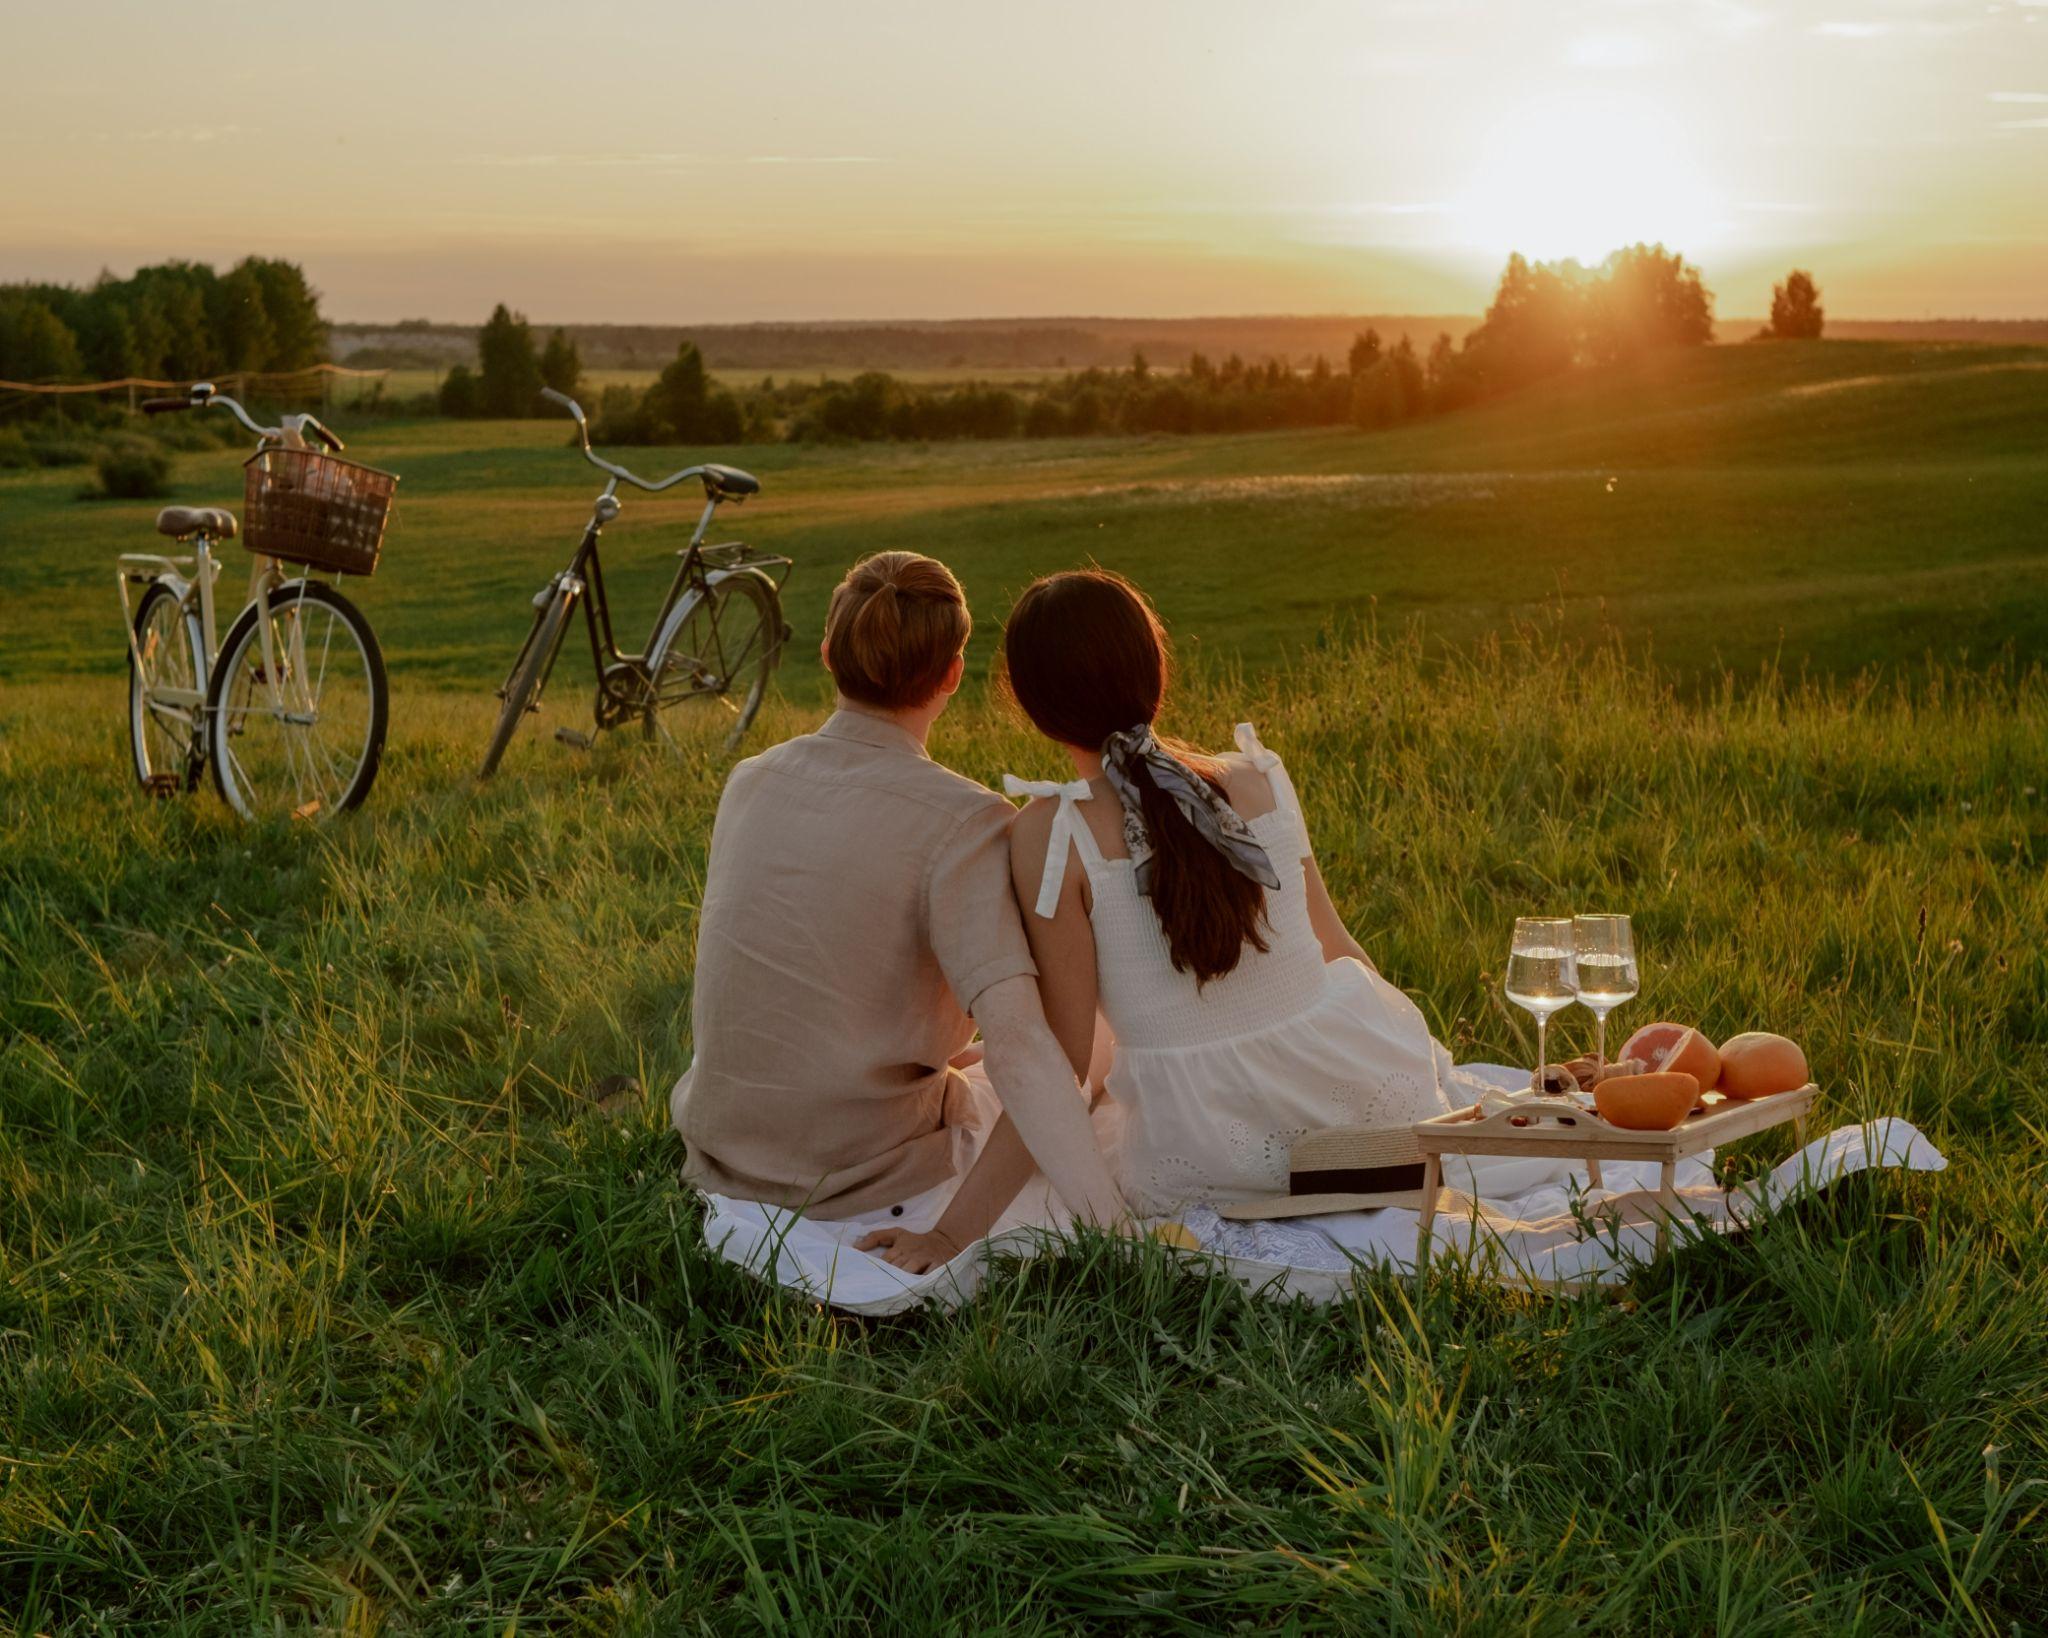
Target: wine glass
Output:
[
  {"x": 1606, "y": 975},
  {"x": 1542, "y": 977}
]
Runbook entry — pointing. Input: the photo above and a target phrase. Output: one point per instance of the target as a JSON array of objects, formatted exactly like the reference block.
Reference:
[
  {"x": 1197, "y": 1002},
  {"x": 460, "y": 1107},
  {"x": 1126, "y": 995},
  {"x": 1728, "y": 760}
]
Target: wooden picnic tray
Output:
[{"x": 1560, "y": 1126}]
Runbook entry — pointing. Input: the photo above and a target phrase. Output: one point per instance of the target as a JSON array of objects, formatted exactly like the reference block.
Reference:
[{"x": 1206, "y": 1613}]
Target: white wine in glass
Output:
[
  {"x": 1606, "y": 954},
  {"x": 1542, "y": 978}
]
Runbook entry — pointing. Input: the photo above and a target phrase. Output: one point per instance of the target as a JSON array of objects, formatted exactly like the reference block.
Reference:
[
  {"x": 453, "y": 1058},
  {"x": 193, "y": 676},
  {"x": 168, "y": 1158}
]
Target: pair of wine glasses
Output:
[{"x": 1557, "y": 960}]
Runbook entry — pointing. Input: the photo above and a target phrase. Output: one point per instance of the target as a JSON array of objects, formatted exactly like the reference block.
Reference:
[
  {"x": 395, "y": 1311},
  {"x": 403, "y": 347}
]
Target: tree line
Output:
[
  {"x": 1546, "y": 318},
  {"x": 176, "y": 321}
]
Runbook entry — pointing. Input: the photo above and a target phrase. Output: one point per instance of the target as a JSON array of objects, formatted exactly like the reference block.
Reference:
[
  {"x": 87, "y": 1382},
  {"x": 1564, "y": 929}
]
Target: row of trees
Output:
[
  {"x": 177, "y": 321},
  {"x": 1550, "y": 317},
  {"x": 1546, "y": 318},
  {"x": 510, "y": 373}
]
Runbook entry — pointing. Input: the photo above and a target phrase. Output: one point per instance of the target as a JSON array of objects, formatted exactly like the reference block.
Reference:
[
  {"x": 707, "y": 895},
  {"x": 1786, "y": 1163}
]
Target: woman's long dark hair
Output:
[{"x": 1085, "y": 656}]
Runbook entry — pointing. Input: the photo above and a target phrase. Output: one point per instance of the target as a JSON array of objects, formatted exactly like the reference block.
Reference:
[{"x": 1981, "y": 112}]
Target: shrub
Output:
[
  {"x": 621, "y": 417},
  {"x": 461, "y": 393},
  {"x": 187, "y": 432},
  {"x": 132, "y": 470},
  {"x": 61, "y": 448}
]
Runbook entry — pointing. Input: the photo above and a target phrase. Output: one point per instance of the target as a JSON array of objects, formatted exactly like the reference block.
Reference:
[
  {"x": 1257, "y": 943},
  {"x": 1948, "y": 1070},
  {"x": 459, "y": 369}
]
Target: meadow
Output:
[
  {"x": 1729, "y": 508},
  {"x": 334, "y": 1293}
]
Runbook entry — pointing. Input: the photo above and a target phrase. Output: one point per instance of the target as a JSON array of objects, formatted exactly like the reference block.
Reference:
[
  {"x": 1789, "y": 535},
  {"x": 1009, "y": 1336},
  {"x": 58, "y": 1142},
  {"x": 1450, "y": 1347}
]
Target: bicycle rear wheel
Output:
[
  {"x": 708, "y": 671},
  {"x": 522, "y": 688},
  {"x": 304, "y": 742},
  {"x": 165, "y": 694}
]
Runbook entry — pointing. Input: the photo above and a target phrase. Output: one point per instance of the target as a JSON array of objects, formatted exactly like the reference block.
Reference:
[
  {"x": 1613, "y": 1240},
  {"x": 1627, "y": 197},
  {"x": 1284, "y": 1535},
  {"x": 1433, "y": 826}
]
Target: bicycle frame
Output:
[
  {"x": 583, "y": 579},
  {"x": 192, "y": 576}
]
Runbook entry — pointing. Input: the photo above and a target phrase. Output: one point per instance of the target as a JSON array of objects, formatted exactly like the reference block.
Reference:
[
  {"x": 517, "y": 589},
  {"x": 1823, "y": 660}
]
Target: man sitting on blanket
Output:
[{"x": 857, "y": 925}]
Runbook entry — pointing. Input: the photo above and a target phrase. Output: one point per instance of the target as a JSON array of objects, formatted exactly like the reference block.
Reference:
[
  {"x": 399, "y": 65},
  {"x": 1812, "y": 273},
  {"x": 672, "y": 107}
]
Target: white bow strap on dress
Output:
[
  {"x": 1067, "y": 824},
  {"x": 1268, "y": 763}
]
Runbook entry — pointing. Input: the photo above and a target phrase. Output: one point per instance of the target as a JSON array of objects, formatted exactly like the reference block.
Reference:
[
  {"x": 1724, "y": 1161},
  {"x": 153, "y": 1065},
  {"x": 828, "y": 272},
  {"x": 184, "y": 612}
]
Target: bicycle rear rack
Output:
[
  {"x": 737, "y": 554},
  {"x": 145, "y": 569}
]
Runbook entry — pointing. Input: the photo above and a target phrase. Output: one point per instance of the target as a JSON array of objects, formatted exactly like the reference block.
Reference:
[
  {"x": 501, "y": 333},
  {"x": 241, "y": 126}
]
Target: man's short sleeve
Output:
[{"x": 970, "y": 913}]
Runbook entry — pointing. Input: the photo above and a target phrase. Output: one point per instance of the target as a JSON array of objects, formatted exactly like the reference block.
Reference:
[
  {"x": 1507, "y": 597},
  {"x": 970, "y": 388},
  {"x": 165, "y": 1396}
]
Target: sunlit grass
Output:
[
  {"x": 1713, "y": 509},
  {"x": 326, "y": 1298}
]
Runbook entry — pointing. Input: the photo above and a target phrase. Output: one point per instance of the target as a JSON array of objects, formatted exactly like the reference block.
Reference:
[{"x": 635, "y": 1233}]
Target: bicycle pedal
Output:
[
  {"x": 569, "y": 736},
  {"x": 163, "y": 786}
]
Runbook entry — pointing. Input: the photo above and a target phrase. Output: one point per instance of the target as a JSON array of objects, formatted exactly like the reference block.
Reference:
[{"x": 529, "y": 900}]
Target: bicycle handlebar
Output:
[
  {"x": 652, "y": 487},
  {"x": 202, "y": 393}
]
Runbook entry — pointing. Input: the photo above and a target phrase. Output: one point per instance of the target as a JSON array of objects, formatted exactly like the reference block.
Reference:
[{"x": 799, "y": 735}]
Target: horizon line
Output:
[{"x": 1091, "y": 318}]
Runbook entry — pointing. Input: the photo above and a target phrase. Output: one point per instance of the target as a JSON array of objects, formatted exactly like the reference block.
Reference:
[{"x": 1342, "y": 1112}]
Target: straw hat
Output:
[{"x": 1342, "y": 1168}]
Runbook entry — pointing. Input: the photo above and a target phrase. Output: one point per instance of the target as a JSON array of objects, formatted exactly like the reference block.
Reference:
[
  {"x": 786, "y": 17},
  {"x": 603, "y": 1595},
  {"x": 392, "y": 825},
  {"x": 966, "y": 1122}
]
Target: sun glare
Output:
[{"x": 1581, "y": 178}]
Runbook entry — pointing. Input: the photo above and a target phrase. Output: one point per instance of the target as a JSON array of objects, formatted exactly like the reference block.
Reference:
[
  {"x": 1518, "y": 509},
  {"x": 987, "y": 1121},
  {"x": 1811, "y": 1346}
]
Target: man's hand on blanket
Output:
[{"x": 913, "y": 1253}]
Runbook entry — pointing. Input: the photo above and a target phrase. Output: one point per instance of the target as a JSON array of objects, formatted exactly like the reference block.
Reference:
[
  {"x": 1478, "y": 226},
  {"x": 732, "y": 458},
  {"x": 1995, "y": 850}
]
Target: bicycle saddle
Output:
[
  {"x": 216, "y": 523},
  {"x": 729, "y": 482}
]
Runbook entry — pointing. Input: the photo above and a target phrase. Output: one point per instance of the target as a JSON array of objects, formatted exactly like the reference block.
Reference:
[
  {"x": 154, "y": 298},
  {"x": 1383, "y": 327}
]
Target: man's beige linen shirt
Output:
[{"x": 857, "y": 904}]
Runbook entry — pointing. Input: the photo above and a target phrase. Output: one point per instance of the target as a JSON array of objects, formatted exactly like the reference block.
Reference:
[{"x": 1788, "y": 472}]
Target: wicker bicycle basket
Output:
[{"x": 303, "y": 506}]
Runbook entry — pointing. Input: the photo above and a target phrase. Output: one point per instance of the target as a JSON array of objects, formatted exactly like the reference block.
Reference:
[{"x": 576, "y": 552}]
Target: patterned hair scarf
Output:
[{"x": 1215, "y": 819}]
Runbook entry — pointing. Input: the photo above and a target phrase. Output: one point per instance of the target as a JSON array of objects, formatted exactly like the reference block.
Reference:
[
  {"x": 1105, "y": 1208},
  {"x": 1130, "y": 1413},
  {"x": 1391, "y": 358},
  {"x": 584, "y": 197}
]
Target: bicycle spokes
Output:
[
  {"x": 710, "y": 677},
  {"x": 164, "y": 694},
  {"x": 298, "y": 708}
]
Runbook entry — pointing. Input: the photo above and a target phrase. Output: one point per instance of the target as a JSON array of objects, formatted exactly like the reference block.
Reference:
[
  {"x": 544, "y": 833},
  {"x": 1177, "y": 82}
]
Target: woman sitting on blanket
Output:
[
  {"x": 1178, "y": 895},
  {"x": 1243, "y": 1013}
]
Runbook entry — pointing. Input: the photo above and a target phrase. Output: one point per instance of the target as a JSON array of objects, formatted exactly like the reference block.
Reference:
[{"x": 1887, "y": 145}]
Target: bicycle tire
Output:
[
  {"x": 753, "y": 654},
  {"x": 240, "y": 793},
  {"x": 524, "y": 682},
  {"x": 185, "y": 776}
]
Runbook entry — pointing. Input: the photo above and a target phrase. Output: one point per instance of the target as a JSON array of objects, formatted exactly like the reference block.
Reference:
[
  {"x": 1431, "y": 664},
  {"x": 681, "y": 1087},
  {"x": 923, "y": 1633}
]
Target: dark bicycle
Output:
[{"x": 715, "y": 640}]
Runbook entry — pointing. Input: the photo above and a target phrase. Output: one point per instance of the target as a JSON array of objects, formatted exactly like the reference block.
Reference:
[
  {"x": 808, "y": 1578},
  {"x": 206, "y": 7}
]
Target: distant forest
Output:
[
  {"x": 1052, "y": 345},
  {"x": 1545, "y": 319}
]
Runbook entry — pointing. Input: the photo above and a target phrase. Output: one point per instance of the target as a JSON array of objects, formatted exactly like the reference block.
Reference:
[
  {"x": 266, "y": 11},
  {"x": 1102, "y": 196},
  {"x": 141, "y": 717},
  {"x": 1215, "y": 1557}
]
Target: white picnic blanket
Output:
[{"x": 1560, "y": 1229}]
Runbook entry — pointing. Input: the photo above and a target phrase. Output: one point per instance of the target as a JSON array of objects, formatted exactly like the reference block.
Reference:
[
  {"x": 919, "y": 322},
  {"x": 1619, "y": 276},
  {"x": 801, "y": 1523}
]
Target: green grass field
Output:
[
  {"x": 327, "y": 1298},
  {"x": 1828, "y": 507}
]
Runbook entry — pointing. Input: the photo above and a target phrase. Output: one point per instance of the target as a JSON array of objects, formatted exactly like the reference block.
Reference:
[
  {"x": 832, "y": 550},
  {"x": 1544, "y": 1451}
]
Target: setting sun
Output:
[{"x": 1577, "y": 178}]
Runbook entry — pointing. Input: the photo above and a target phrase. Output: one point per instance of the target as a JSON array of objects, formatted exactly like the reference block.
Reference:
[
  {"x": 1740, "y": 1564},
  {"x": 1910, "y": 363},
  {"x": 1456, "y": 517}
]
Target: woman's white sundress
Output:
[{"x": 1216, "y": 1081}]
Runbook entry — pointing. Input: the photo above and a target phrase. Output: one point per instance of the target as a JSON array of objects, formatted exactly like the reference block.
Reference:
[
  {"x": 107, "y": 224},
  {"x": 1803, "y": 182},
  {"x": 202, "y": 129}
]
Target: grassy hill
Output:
[
  {"x": 1829, "y": 507},
  {"x": 329, "y": 1300}
]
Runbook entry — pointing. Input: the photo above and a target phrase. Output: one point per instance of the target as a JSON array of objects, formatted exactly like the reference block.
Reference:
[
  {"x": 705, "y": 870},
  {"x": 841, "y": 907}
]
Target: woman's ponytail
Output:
[
  {"x": 1207, "y": 909},
  {"x": 1085, "y": 657}
]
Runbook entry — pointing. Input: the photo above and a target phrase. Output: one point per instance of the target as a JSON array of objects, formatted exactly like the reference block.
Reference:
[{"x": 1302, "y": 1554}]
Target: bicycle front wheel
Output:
[
  {"x": 708, "y": 671},
  {"x": 298, "y": 706},
  {"x": 165, "y": 694},
  {"x": 522, "y": 688}
]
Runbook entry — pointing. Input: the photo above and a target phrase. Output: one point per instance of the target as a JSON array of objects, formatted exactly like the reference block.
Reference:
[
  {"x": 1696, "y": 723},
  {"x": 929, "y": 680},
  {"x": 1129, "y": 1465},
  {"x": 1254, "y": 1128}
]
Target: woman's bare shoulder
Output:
[
  {"x": 1246, "y": 788},
  {"x": 1032, "y": 829}
]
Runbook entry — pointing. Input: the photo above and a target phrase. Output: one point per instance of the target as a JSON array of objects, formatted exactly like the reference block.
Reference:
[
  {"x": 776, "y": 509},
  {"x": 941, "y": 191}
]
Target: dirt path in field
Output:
[{"x": 1849, "y": 383}]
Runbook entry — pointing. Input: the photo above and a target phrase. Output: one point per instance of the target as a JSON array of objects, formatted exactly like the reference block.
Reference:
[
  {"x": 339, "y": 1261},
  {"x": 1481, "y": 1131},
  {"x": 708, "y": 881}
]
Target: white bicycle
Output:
[{"x": 290, "y": 709}]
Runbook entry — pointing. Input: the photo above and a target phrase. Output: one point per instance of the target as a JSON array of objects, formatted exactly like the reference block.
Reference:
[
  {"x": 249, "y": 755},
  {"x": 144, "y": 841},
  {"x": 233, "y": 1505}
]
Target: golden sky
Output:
[{"x": 650, "y": 160}]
